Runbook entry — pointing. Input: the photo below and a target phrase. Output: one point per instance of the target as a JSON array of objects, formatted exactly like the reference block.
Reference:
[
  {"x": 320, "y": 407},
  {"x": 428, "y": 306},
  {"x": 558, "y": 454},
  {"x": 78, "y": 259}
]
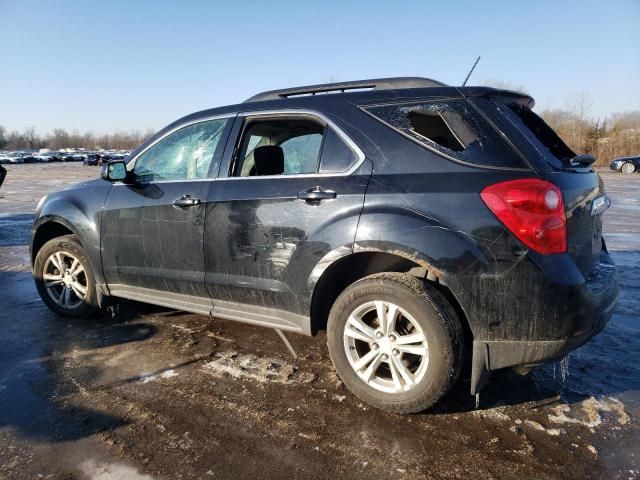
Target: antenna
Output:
[{"x": 471, "y": 71}]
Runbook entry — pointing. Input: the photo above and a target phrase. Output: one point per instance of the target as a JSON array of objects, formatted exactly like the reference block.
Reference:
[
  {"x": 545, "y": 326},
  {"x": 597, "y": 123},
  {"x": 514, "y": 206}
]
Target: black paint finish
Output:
[
  {"x": 254, "y": 242},
  {"x": 262, "y": 242},
  {"x": 148, "y": 242}
]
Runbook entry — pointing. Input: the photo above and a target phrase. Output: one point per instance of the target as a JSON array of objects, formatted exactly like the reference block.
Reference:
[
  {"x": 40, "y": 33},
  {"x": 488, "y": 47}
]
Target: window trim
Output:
[
  {"x": 300, "y": 113},
  {"x": 132, "y": 163}
]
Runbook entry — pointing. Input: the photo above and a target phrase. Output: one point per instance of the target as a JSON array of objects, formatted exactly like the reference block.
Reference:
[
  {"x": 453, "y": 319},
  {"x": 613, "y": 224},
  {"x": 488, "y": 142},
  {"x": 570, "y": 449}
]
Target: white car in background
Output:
[
  {"x": 11, "y": 157},
  {"x": 43, "y": 157}
]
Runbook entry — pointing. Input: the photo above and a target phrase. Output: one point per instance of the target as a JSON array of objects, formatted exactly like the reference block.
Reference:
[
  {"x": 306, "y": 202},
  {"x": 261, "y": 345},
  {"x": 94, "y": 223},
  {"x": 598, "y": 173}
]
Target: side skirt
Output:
[{"x": 252, "y": 314}]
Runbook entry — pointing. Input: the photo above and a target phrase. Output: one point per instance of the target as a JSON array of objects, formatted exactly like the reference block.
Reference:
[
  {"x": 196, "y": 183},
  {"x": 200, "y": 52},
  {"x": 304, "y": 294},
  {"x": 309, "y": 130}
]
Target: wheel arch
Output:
[
  {"x": 347, "y": 269},
  {"x": 47, "y": 229}
]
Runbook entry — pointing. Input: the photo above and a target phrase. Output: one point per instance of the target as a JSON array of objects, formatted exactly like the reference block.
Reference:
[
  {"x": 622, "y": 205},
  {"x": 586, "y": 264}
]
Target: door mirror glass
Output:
[{"x": 114, "y": 171}]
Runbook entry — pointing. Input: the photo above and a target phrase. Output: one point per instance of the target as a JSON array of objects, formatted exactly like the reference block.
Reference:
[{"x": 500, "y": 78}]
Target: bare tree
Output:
[
  {"x": 579, "y": 107},
  {"x": 3, "y": 137},
  {"x": 31, "y": 138}
]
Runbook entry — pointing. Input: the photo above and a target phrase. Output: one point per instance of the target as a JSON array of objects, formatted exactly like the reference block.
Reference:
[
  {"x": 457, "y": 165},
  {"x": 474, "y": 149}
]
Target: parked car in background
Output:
[
  {"x": 109, "y": 155},
  {"x": 29, "y": 157},
  {"x": 626, "y": 165},
  {"x": 72, "y": 157},
  {"x": 91, "y": 159},
  {"x": 11, "y": 157},
  {"x": 3, "y": 173},
  {"x": 422, "y": 226},
  {"x": 104, "y": 157},
  {"x": 45, "y": 157}
]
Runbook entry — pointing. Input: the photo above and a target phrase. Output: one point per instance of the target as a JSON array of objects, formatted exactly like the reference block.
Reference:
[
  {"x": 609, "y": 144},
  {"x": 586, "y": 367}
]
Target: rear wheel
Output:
[
  {"x": 628, "y": 168},
  {"x": 396, "y": 342},
  {"x": 64, "y": 277}
]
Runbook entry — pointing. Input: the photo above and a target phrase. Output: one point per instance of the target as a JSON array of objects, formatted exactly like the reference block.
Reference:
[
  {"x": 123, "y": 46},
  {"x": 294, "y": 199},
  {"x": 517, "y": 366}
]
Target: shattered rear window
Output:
[
  {"x": 452, "y": 128},
  {"x": 541, "y": 135}
]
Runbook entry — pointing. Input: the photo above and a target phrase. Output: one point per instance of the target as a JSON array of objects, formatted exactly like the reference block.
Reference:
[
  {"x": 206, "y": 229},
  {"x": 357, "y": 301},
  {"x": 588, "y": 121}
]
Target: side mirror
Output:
[{"x": 114, "y": 171}]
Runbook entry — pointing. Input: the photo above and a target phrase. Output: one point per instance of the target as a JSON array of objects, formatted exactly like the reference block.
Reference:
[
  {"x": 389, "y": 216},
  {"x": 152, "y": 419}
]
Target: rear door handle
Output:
[
  {"x": 186, "y": 201},
  {"x": 316, "y": 194}
]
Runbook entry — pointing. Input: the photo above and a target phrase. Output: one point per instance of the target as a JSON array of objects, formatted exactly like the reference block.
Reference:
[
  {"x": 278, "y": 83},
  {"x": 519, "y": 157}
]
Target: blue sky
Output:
[{"x": 118, "y": 65}]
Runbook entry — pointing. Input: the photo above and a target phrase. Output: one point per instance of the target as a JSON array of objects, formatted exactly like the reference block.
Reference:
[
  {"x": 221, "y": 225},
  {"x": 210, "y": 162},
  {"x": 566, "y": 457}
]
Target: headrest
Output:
[{"x": 269, "y": 160}]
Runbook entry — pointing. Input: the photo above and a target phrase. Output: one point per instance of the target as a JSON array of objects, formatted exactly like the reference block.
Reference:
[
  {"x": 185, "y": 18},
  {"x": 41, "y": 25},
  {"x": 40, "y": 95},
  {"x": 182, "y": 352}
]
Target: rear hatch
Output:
[{"x": 582, "y": 189}]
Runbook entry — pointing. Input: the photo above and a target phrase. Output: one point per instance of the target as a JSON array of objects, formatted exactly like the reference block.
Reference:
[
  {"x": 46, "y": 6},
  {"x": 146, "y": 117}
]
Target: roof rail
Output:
[{"x": 372, "y": 84}]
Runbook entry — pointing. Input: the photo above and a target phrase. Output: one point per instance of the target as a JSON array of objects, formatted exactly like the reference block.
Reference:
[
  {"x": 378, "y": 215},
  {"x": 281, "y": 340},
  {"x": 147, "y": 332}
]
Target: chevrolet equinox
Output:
[{"x": 421, "y": 225}]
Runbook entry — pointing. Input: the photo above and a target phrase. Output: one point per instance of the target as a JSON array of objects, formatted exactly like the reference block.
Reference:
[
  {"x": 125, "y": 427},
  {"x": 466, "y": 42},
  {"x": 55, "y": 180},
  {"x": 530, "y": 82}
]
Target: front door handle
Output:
[
  {"x": 316, "y": 194},
  {"x": 186, "y": 201}
]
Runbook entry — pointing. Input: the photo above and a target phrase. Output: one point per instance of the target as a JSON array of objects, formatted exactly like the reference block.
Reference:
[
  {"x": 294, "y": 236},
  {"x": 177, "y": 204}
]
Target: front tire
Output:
[
  {"x": 628, "y": 168},
  {"x": 64, "y": 278},
  {"x": 395, "y": 342}
]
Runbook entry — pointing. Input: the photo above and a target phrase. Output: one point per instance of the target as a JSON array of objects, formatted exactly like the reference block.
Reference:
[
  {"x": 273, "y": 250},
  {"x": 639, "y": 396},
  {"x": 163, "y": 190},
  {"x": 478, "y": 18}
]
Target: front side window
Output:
[
  {"x": 183, "y": 155},
  {"x": 451, "y": 127}
]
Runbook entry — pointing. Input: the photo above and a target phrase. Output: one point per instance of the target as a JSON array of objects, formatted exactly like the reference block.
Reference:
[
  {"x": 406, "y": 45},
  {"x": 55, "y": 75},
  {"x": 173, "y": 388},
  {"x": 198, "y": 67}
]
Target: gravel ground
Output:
[{"x": 154, "y": 393}]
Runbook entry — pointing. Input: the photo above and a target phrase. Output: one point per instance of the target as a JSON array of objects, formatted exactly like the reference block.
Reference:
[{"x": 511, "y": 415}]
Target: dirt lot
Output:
[{"x": 154, "y": 393}]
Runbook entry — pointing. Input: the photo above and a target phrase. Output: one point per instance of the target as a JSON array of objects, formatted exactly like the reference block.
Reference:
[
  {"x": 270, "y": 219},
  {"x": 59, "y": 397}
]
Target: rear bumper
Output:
[{"x": 594, "y": 303}]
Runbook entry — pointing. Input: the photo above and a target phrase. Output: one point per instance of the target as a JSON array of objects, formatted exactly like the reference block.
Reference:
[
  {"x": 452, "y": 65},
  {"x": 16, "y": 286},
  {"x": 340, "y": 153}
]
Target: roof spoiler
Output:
[
  {"x": 505, "y": 95},
  {"x": 394, "y": 83}
]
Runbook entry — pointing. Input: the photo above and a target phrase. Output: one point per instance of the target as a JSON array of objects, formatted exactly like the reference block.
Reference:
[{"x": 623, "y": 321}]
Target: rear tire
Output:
[
  {"x": 64, "y": 278},
  {"x": 628, "y": 168},
  {"x": 409, "y": 360}
]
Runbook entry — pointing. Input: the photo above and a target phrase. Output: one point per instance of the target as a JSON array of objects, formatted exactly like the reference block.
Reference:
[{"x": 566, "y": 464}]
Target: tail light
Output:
[{"x": 533, "y": 210}]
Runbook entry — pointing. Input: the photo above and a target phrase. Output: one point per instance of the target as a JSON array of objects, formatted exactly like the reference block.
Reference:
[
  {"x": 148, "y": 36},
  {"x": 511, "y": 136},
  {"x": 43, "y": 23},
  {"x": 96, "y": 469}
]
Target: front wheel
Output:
[
  {"x": 395, "y": 342},
  {"x": 628, "y": 168},
  {"x": 64, "y": 278}
]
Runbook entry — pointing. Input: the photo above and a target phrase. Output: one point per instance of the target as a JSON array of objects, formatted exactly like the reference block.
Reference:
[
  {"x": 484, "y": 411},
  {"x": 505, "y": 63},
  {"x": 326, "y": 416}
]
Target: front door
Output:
[
  {"x": 153, "y": 225},
  {"x": 294, "y": 193}
]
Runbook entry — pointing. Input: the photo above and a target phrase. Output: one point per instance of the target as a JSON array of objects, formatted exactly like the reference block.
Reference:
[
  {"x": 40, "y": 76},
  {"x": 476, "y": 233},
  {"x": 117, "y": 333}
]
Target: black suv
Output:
[{"x": 420, "y": 225}]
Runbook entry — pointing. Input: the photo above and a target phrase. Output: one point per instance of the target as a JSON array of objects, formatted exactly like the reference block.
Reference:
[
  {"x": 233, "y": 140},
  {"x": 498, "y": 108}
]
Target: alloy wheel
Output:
[
  {"x": 628, "y": 168},
  {"x": 386, "y": 347},
  {"x": 65, "y": 280}
]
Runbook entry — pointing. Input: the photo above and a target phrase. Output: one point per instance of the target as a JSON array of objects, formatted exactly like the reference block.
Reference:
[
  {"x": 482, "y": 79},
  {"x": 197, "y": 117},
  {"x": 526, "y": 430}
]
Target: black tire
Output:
[
  {"x": 70, "y": 244},
  {"x": 628, "y": 168},
  {"x": 435, "y": 316}
]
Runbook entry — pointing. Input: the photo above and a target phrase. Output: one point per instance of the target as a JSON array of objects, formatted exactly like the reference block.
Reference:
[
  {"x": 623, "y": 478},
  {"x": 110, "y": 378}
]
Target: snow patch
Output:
[
  {"x": 111, "y": 471},
  {"x": 497, "y": 414},
  {"x": 589, "y": 412},
  {"x": 260, "y": 369},
  {"x": 165, "y": 374}
]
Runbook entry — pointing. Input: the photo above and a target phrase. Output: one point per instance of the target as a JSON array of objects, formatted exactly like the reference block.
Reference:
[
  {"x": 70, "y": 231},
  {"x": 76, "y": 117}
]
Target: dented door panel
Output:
[{"x": 262, "y": 242}]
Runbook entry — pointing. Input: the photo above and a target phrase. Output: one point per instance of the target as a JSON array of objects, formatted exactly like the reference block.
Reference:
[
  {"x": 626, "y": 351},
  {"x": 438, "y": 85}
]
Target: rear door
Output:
[
  {"x": 293, "y": 192},
  {"x": 153, "y": 226}
]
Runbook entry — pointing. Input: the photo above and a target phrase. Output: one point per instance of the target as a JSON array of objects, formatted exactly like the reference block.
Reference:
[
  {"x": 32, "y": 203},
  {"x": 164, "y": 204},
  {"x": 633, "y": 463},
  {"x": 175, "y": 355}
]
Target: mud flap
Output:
[{"x": 479, "y": 366}]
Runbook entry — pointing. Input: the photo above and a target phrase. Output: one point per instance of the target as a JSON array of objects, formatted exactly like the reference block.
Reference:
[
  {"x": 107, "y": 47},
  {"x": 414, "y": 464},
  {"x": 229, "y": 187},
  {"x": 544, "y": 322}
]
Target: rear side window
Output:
[
  {"x": 291, "y": 146},
  {"x": 280, "y": 147},
  {"x": 452, "y": 128}
]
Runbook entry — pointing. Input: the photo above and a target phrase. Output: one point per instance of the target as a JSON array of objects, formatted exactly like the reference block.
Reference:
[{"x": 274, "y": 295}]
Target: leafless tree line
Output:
[
  {"x": 30, "y": 139},
  {"x": 616, "y": 136}
]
